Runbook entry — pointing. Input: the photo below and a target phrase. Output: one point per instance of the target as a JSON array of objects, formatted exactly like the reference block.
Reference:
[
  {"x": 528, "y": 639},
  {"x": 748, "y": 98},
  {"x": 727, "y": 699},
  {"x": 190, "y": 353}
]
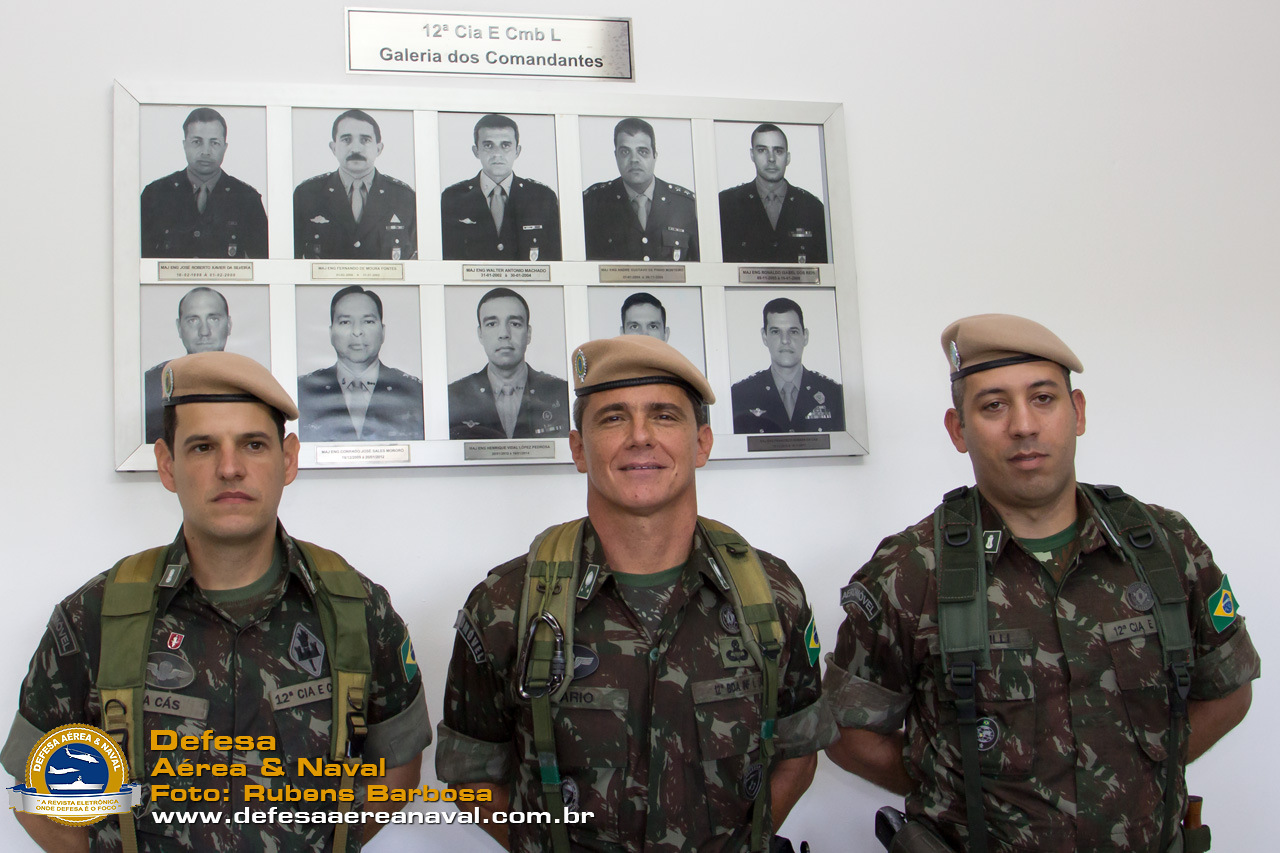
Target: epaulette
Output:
[
  {"x": 822, "y": 377},
  {"x": 676, "y": 188},
  {"x": 533, "y": 181},
  {"x": 464, "y": 185},
  {"x": 754, "y": 375},
  {"x": 402, "y": 375},
  {"x": 396, "y": 181},
  {"x": 323, "y": 176},
  {"x": 804, "y": 192},
  {"x": 597, "y": 187}
]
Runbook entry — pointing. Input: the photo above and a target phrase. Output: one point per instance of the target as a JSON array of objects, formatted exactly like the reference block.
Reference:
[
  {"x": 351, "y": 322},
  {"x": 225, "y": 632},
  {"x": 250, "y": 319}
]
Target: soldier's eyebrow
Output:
[{"x": 1000, "y": 389}]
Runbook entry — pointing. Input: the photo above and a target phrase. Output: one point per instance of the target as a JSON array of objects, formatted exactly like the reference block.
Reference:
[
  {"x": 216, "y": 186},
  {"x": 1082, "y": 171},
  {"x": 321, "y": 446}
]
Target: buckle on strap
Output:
[
  {"x": 357, "y": 727},
  {"x": 963, "y": 678},
  {"x": 1181, "y": 681},
  {"x": 115, "y": 718}
]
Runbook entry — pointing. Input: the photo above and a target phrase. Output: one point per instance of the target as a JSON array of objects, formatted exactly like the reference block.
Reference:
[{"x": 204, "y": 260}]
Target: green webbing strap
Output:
[
  {"x": 550, "y": 587},
  {"x": 962, "y": 633},
  {"x": 340, "y": 599},
  {"x": 128, "y": 612},
  {"x": 752, "y": 598},
  {"x": 1130, "y": 527}
]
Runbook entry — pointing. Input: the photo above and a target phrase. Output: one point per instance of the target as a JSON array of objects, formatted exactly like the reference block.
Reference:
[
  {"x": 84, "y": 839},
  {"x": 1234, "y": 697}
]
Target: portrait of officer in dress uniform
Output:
[
  {"x": 768, "y": 219},
  {"x": 637, "y": 216},
  {"x": 204, "y": 324},
  {"x": 498, "y": 215},
  {"x": 786, "y": 396},
  {"x": 643, "y": 314},
  {"x": 359, "y": 398},
  {"x": 201, "y": 211},
  {"x": 355, "y": 212},
  {"x": 507, "y": 398}
]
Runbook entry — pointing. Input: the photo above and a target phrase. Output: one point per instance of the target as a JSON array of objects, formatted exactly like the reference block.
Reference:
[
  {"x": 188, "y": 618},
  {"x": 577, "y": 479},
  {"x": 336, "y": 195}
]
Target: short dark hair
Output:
[
  {"x": 768, "y": 128},
  {"x": 642, "y": 298},
  {"x": 169, "y": 422},
  {"x": 500, "y": 293},
  {"x": 348, "y": 291},
  {"x": 358, "y": 115},
  {"x": 957, "y": 393},
  {"x": 204, "y": 114},
  {"x": 633, "y": 126},
  {"x": 700, "y": 413},
  {"x": 226, "y": 309},
  {"x": 781, "y": 305},
  {"x": 494, "y": 121}
]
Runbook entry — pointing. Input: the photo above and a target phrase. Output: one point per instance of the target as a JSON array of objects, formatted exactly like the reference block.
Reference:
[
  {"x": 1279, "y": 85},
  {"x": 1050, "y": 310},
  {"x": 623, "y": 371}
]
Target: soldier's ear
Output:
[
  {"x": 164, "y": 465},
  {"x": 475, "y": 151}
]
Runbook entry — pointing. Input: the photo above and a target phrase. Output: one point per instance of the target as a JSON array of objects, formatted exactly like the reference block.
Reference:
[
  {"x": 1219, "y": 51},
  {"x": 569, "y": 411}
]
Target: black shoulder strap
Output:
[
  {"x": 962, "y": 633},
  {"x": 1130, "y": 526}
]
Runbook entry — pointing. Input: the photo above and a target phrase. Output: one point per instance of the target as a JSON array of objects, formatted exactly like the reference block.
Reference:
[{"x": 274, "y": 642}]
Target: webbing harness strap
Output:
[
  {"x": 340, "y": 598},
  {"x": 550, "y": 589},
  {"x": 128, "y": 612},
  {"x": 752, "y": 598},
  {"x": 962, "y": 633},
  {"x": 1130, "y": 527}
]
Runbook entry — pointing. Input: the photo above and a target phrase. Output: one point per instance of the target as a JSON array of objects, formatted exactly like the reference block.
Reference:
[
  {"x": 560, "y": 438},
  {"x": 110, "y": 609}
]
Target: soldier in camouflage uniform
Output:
[
  {"x": 658, "y": 735},
  {"x": 236, "y": 645},
  {"x": 1074, "y": 711}
]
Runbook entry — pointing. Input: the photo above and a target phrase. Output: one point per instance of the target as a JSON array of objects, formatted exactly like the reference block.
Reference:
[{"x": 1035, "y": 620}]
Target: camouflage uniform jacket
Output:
[
  {"x": 205, "y": 672},
  {"x": 1079, "y": 724},
  {"x": 660, "y": 741}
]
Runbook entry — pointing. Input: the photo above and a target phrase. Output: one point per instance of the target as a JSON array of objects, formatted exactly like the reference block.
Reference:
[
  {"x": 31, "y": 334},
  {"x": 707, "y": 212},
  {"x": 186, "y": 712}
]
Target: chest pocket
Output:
[
  {"x": 1144, "y": 689},
  {"x": 1007, "y": 713},
  {"x": 727, "y": 711},
  {"x": 302, "y": 714},
  {"x": 591, "y": 747}
]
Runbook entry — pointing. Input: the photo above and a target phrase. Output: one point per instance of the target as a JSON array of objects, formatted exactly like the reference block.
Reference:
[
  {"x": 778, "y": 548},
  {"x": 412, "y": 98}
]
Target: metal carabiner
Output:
[{"x": 556, "y": 676}]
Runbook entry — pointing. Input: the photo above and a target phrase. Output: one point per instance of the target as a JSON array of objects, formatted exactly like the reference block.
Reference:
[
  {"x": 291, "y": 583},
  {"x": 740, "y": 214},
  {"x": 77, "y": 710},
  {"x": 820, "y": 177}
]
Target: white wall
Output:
[{"x": 1108, "y": 168}]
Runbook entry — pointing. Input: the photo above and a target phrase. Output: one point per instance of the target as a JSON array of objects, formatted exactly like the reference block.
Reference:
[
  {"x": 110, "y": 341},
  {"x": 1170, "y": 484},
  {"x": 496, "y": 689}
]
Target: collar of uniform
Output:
[
  {"x": 369, "y": 375},
  {"x": 1090, "y": 537},
  {"x": 348, "y": 180},
  {"x": 177, "y": 555},
  {"x": 764, "y": 188},
  {"x": 487, "y": 184},
  {"x": 632, "y": 195},
  {"x": 697, "y": 569},
  {"x": 197, "y": 183}
]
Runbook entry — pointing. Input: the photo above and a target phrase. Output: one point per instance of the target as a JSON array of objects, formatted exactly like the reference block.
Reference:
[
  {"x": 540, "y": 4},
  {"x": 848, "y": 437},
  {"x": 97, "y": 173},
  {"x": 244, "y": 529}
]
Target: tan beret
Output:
[
  {"x": 223, "y": 377},
  {"x": 987, "y": 341},
  {"x": 628, "y": 360}
]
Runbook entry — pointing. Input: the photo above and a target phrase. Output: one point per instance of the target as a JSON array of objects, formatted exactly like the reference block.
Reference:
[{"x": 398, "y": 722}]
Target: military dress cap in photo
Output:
[
  {"x": 629, "y": 360},
  {"x": 987, "y": 341},
  {"x": 223, "y": 377}
]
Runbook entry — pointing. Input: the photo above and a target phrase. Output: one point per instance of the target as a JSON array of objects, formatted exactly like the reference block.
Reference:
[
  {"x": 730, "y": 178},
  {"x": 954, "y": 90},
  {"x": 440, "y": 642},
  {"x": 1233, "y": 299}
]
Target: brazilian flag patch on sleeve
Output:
[
  {"x": 811, "y": 643},
  {"x": 407, "y": 658},
  {"x": 1222, "y": 606}
]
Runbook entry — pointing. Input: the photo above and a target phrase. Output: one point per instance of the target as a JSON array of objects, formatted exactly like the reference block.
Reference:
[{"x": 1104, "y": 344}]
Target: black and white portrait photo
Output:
[
  {"x": 790, "y": 340},
  {"x": 354, "y": 176},
  {"x": 671, "y": 314},
  {"x": 180, "y": 319},
  {"x": 629, "y": 212},
  {"x": 500, "y": 201},
  {"x": 773, "y": 183},
  {"x": 198, "y": 209},
  {"x": 360, "y": 382},
  {"x": 496, "y": 336}
]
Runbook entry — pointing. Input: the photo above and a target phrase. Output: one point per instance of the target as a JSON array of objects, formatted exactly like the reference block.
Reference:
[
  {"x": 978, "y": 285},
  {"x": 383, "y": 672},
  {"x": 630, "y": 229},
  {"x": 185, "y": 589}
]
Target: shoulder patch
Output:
[
  {"x": 859, "y": 596},
  {"x": 812, "y": 645},
  {"x": 467, "y": 631},
  {"x": 408, "y": 660},
  {"x": 64, "y": 640},
  {"x": 1222, "y": 606}
]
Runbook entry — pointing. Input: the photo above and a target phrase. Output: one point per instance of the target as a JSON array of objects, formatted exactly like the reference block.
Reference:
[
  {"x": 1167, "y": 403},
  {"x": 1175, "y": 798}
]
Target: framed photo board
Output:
[{"x": 444, "y": 248}]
